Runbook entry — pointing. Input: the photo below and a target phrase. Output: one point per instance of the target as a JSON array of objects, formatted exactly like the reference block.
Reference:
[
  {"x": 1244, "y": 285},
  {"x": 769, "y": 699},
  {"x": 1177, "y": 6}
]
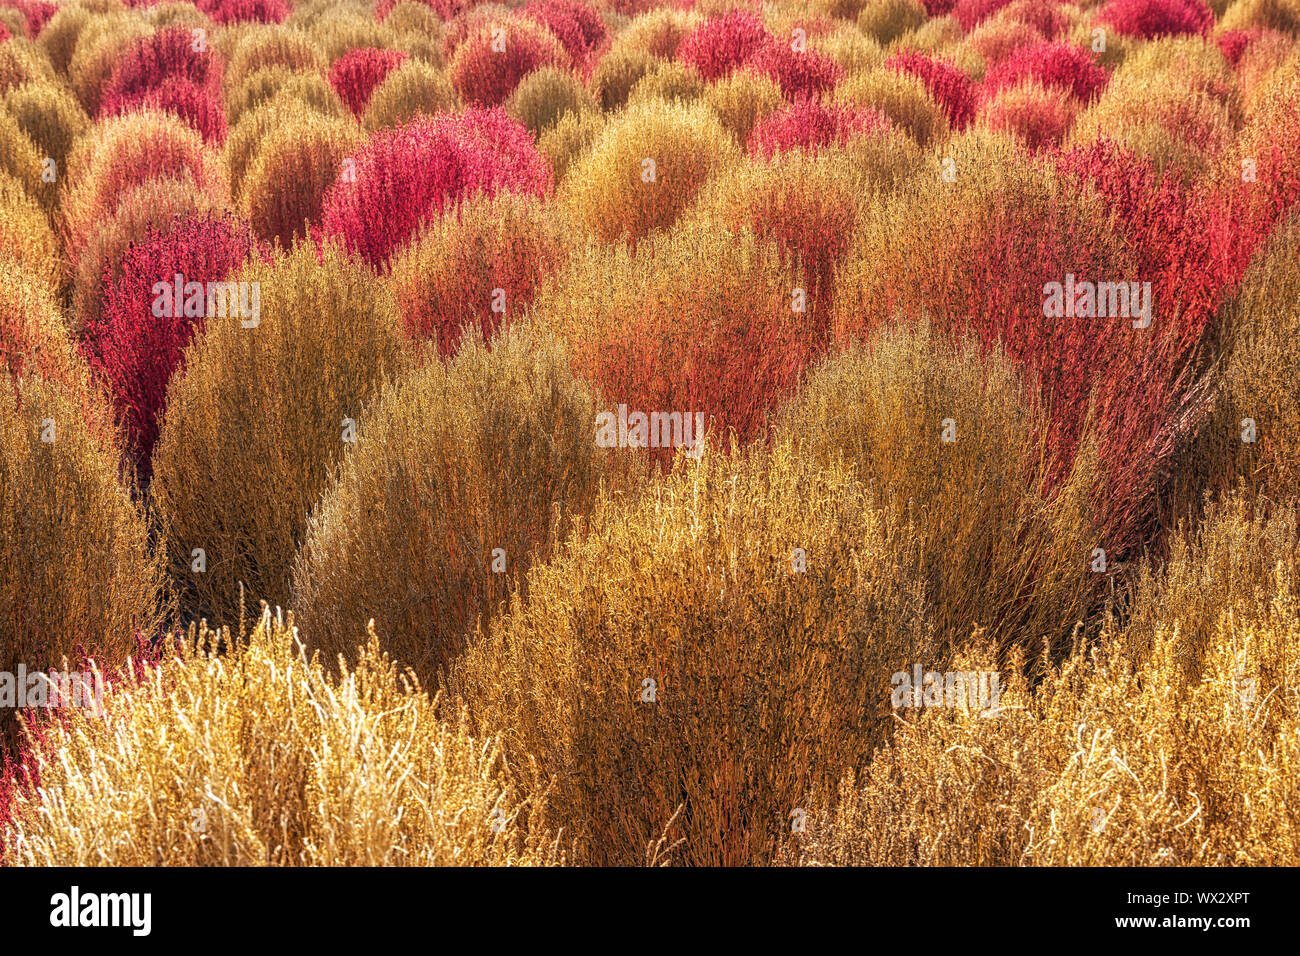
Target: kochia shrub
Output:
[
  {"x": 261, "y": 408},
  {"x": 401, "y": 179},
  {"x": 489, "y": 64},
  {"x": 357, "y": 73},
  {"x": 478, "y": 266},
  {"x": 50, "y": 116},
  {"x": 809, "y": 125},
  {"x": 492, "y": 451},
  {"x": 646, "y": 168},
  {"x": 413, "y": 89},
  {"x": 77, "y": 570},
  {"x": 688, "y": 696},
  {"x": 545, "y": 95},
  {"x": 1148, "y": 19}
]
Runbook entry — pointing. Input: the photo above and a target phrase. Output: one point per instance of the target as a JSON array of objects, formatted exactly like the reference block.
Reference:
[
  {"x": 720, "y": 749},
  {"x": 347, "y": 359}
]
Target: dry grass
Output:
[{"x": 259, "y": 757}]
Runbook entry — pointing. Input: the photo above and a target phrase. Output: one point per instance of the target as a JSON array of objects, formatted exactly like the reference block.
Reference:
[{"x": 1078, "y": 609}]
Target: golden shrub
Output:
[
  {"x": 34, "y": 338},
  {"x": 646, "y": 167},
  {"x": 494, "y": 450},
  {"x": 25, "y": 234},
  {"x": 903, "y": 99},
  {"x": 883, "y": 407},
  {"x": 887, "y": 20},
  {"x": 308, "y": 89},
  {"x": 569, "y": 139},
  {"x": 659, "y": 32},
  {"x": 1280, "y": 15},
  {"x": 269, "y": 46},
  {"x": 1252, "y": 435},
  {"x": 1118, "y": 759},
  {"x": 177, "y": 13},
  {"x": 76, "y": 564},
  {"x": 50, "y": 116},
  {"x": 850, "y": 47},
  {"x": 545, "y": 96},
  {"x": 677, "y": 676},
  {"x": 59, "y": 38},
  {"x": 618, "y": 71},
  {"x": 99, "y": 47},
  {"x": 260, "y": 757},
  {"x": 342, "y": 30},
  {"x": 670, "y": 82},
  {"x": 21, "y": 62},
  {"x": 20, "y": 159},
  {"x": 263, "y": 408},
  {"x": 413, "y": 89},
  {"x": 296, "y": 162},
  {"x": 742, "y": 99}
]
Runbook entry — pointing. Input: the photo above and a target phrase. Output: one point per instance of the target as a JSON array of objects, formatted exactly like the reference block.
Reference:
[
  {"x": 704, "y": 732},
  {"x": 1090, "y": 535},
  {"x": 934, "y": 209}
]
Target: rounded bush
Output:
[
  {"x": 1056, "y": 65},
  {"x": 153, "y": 204},
  {"x": 272, "y": 46},
  {"x": 646, "y": 168},
  {"x": 810, "y": 73},
  {"x": 59, "y": 38},
  {"x": 705, "y": 672},
  {"x": 743, "y": 99},
  {"x": 995, "y": 40},
  {"x": 903, "y": 99},
  {"x": 255, "y": 427},
  {"x": 78, "y": 575},
  {"x": 618, "y": 71},
  {"x": 478, "y": 266},
  {"x": 242, "y": 11},
  {"x": 147, "y": 63},
  {"x": 20, "y": 159},
  {"x": 881, "y": 408},
  {"x": 568, "y": 140},
  {"x": 697, "y": 320},
  {"x": 1280, "y": 15},
  {"x": 356, "y": 73},
  {"x": 949, "y": 86},
  {"x": 544, "y": 96},
  {"x": 136, "y": 350},
  {"x": 296, "y": 163},
  {"x": 124, "y": 152},
  {"x": 266, "y": 84},
  {"x": 413, "y": 89},
  {"x": 724, "y": 44},
  {"x": 577, "y": 25},
  {"x": 492, "y": 451},
  {"x": 1037, "y": 117},
  {"x": 99, "y": 49},
  {"x": 1148, "y": 19},
  {"x": 887, "y": 20},
  {"x": 660, "y": 31},
  {"x": 33, "y": 337},
  {"x": 403, "y": 178},
  {"x": 50, "y": 116},
  {"x": 489, "y": 64},
  {"x": 808, "y": 125},
  {"x": 22, "y": 62}
]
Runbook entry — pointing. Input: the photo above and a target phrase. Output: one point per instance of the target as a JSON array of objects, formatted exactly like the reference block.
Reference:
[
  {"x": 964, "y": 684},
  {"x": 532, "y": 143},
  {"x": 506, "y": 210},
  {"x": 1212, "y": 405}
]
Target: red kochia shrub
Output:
[
  {"x": 37, "y": 13},
  {"x": 405, "y": 176},
  {"x": 150, "y": 60},
  {"x": 1061, "y": 65},
  {"x": 970, "y": 13},
  {"x": 357, "y": 73},
  {"x": 236, "y": 11},
  {"x": 200, "y": 107},
  {"x": 1233, "y": 43},
  {"x": 1149, "y": 19},
  {"x": 719, "y": 46},
  {"x": 939, "y": 8},
  {"x": 136, "y": 352},
  {"x": 577, "y": 26},
  {"x": 484, "y": 76},
  {"x": 807, "y": 125},
  {"x": 948, "y": 85},
  {"x": 805, "y": 74}
]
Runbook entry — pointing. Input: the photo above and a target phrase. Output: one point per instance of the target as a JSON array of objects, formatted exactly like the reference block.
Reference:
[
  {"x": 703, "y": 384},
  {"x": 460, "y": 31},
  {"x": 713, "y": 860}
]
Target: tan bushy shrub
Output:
[
  {"x": 850, "y": 47},
  {"x": 1123, "y": 756},
  {"x": 59, "y": 38},
  {"x": 742, "y": 99},
  {"x": 545, "y": 96},
  {"x": 26, "y": 236},
  {"x": 50, "y": 116},
  {"x": 478, "y": 265},
  {"x": 677, "y": 676},
  {"x": 254, "y": 428},
  {"x": 671, "y": 82},
  {"x": 34, "y": 338},
  {"x": 902, "y": 98},
  {"x": 260, "y": 757},
  {"x": 1280, "y": 15},
  {"x": 77, "y": 568},
  {"x": 569, "y": 139},
  {"x": 618, "y": 71},
  {"x": 646, "y": 167},
  {"x": 21, "y": 160},
  {"x": 413, "y": 89},
  {"x": 296, "y": 162},
  {"x": 272, "y": 45},
  {"x": 494, "y": 450},
  {"x": 100, "y": 45},
  {"x": 1252, "y": 435},
  {"x": 659, "y": 32},
  {"x": 122, "y": 153},
  {"x": 884, "y": 408},
  {"x": 309, "y": 89},
  {"x": 22, "y": 62},
  {"x": 887, "y": 20}
]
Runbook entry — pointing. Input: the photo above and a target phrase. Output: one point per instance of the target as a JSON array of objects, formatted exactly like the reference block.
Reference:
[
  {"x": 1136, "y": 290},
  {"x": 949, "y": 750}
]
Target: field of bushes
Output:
[{"x": 315, "y": 317}]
